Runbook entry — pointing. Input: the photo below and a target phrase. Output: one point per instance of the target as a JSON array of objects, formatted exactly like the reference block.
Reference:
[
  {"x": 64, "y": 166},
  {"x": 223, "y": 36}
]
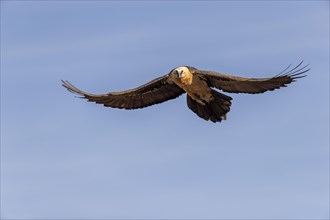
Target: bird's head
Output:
[{"x": 180, "y": 72}]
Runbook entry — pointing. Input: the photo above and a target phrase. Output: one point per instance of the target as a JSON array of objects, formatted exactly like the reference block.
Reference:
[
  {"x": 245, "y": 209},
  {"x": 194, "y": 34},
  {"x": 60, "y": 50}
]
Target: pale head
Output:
[{"x": 181, "y": 71}]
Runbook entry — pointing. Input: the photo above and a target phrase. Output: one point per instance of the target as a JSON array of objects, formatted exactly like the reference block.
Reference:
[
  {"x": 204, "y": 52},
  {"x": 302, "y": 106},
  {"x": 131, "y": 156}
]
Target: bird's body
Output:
[
  {"x": 193, "y": 85},
  {"x": 206, "y": 102}
]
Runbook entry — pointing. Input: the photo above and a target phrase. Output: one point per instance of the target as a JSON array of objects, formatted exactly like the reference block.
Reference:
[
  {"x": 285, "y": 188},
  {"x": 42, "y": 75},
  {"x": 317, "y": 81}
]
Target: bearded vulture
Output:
[{"x": 206, "y": 102}]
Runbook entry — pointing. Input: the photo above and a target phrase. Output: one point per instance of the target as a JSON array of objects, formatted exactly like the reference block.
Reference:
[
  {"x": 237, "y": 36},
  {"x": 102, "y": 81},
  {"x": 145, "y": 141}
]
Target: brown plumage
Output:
[{"x": 206, "y": 102}]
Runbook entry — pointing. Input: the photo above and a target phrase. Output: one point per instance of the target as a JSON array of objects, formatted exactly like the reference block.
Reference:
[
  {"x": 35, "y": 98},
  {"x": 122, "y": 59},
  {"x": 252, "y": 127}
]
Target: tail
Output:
[{"x": 215, "y": 110}]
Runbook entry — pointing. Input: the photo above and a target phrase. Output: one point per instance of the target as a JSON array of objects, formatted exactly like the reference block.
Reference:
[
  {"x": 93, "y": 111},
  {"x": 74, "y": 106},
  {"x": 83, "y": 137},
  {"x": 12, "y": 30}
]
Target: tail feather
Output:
[
  {"x": 198, "y": 108},
  {"x": 215, "y": 110}
]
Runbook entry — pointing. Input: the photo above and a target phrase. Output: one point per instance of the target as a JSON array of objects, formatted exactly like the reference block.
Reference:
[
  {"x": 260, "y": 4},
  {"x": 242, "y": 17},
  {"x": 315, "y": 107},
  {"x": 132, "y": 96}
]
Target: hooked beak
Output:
[{"x": 179, "y": 73}]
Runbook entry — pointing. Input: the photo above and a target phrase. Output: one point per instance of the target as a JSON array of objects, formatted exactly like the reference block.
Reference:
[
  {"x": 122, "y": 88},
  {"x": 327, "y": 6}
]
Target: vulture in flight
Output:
[{"x": 202, "y": 99}]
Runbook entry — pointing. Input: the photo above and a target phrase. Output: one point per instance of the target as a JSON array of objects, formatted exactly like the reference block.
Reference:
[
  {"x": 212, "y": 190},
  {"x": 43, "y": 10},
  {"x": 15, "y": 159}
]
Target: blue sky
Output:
[{"x": 62, "y": 157}]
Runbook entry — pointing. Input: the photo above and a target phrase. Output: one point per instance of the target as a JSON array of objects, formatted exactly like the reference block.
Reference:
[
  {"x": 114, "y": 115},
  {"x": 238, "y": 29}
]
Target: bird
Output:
[{"x": 199, "y": 85}]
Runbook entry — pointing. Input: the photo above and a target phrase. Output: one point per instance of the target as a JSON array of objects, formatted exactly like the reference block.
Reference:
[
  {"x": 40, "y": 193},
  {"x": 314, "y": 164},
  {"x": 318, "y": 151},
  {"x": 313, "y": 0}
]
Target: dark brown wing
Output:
[
  {"x": 154, "y": 92},
  {"x": 237, "y": 84}
]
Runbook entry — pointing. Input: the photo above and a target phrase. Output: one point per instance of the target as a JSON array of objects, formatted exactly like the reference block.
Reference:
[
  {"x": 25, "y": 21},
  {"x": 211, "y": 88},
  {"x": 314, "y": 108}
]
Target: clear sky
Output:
[{"x": 62, "y": 157}]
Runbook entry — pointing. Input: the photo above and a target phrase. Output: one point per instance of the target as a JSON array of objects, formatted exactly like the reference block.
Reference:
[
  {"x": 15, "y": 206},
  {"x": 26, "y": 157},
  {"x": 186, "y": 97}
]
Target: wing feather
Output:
[
  {"x": 156, "y": 91},
  {"x": 235, "y": 84}
]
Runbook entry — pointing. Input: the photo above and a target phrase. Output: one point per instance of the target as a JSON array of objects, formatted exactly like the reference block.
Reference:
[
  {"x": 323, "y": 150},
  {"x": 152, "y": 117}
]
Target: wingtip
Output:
[
  {"x": 71, "y": 88},
  {"x": 295, "y": 72}
]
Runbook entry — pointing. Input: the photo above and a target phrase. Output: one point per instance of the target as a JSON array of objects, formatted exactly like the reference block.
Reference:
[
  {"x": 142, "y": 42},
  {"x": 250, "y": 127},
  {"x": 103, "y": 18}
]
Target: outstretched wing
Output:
[
  {"x": 237, "y": 84},
  {"x": 154, "y": 92}
]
